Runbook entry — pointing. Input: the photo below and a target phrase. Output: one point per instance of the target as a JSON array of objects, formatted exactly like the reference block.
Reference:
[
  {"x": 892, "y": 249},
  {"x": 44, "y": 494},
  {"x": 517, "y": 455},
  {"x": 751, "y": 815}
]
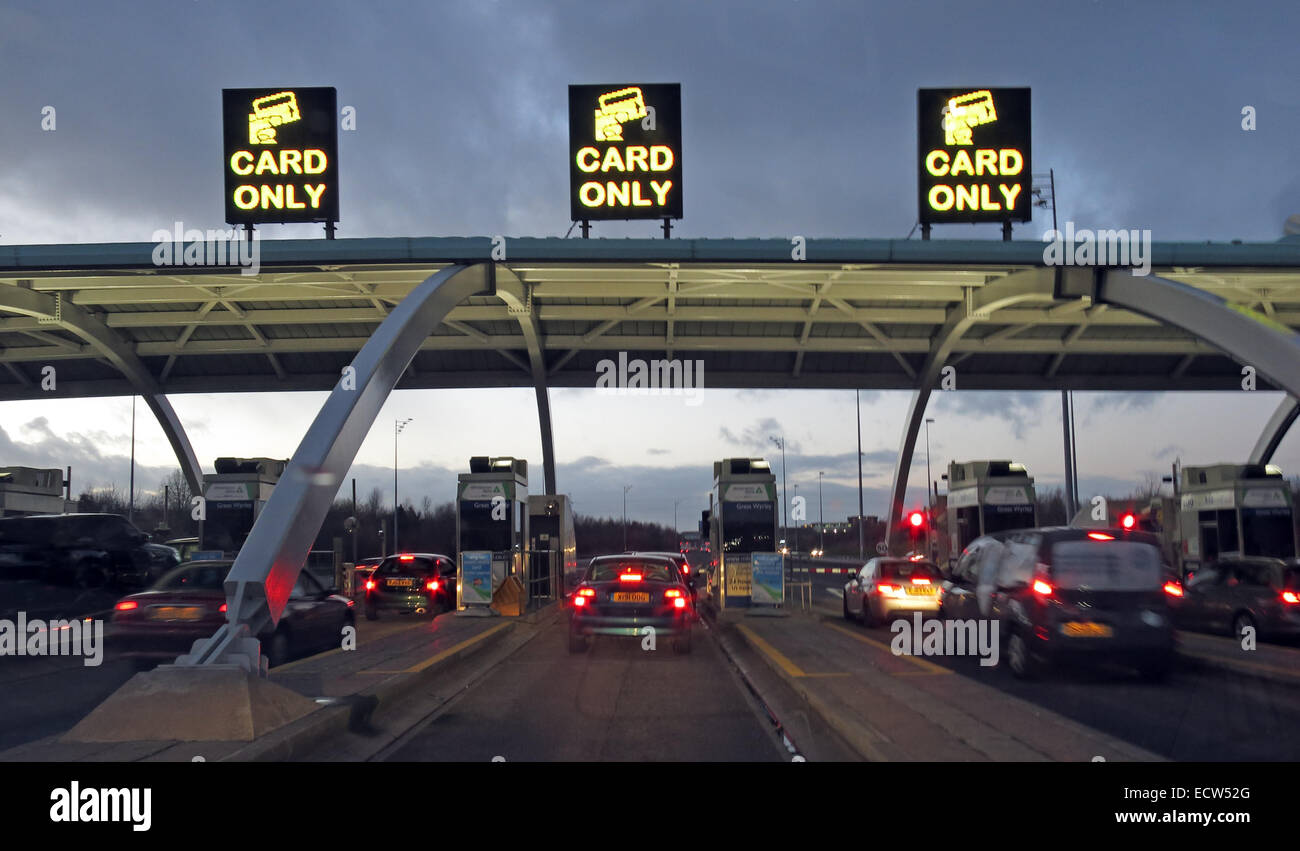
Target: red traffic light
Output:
[
  {"x": 917, "y": 519},
  {"x": 1128, "y": 521}
]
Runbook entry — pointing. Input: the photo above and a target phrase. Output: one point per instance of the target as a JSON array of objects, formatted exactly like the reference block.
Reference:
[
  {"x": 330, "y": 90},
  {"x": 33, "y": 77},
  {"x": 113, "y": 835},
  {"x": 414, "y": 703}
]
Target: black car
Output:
[
  {"x": 624, "y": 594},
  {"x": 411, "y": 583},
  {"x": 189, "y": 603},
  {"x": 1064, "y": 593},
  {"x": 1240, "y": 592}
]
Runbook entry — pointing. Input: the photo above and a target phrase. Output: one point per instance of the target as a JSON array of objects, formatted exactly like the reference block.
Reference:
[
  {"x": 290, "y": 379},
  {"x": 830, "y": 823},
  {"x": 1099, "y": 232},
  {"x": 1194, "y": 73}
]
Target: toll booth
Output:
[
  {"x": 30, "y": 490},
  {"x": 986, "y": 497},
  {"x": 234, "y": 497},
  {"x": 492, "y": 516},
  {"x": 1232, "y": 508},
  {"x": 553, "y": 550},
  {"x": 742, "y": 521}
]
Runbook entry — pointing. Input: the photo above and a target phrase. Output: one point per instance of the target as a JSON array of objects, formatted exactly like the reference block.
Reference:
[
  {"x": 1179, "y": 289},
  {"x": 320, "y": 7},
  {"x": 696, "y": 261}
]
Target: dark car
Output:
[
  {"x": 411, "y": 583},
  {"x": 363, "y": 571},
  {"x": 189, "y": 603},
  {"x": 1240, "y": 592},
  {"x": 162, "y": 559},
  {"x": 1062, "y": 593},
  {"x": 70, "y": 564},
  {"x": 624, "y": 594}
]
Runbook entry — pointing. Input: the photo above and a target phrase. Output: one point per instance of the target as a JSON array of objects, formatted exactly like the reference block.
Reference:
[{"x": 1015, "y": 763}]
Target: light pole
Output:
[
  {"x": 862, "y": 541},
  {"x": 626, "y": 488},
  {"x": 785, "y": 522},
  {"x": 398, "y": 425},
  {"x": 821, "y": 521},
  {"x": 929, "y": 491},
  {"x": 676, "y": 531}
]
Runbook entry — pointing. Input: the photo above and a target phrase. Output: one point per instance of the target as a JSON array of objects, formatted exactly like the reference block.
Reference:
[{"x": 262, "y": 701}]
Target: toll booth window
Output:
[
  {"x": 750, "y": 527},
  {"x": 1267, "y": 532},
  {"x": 227, "y": 525},
  {"x": 480, "y": 531},
  {"x": 1002, "y": 518}
]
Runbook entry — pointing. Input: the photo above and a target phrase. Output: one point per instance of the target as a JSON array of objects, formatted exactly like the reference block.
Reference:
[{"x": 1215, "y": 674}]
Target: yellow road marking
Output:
[
  {"x": 438, "y": 657},
  {"x": 927, "y": 667},
  {"x": 778, "y": 657},
  {"x": 289, "y": 665}
]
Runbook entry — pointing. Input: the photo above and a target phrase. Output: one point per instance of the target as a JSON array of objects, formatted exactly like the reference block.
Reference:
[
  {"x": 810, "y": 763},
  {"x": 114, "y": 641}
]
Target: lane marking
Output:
[
  {"x": 420, "y": 666},
  {"x": 1288, "y": 673},
  {"x": 329, "y": 653},
  {"x": 927, "y": 667},
  {"x": 780, "y": 659}
]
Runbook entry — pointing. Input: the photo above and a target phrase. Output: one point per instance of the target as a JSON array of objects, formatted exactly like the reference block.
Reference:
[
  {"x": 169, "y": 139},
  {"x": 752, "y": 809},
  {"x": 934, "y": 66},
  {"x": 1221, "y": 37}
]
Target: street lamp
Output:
[
  {"x": 626, "y": 488},
  {"x": 398, "y": 425},
  {"x": 785, "y": 521},
  {"x": 821, "y": 521},
  {"x": 675, "y": 529},
  {"x": 796, "y": 528},
  {"x": 929, "y": 491}
]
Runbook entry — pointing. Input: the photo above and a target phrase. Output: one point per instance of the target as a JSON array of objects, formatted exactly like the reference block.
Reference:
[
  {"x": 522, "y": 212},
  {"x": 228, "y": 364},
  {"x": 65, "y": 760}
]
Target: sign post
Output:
[
  {"x": 474, "y": 588},
  {"x": 767, "y": 584}
]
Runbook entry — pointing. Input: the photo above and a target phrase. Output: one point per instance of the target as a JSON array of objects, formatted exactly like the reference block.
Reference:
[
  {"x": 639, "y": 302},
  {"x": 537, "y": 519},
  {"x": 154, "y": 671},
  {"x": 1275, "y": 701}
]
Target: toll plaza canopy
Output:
[{"x": 854, "y": 314}]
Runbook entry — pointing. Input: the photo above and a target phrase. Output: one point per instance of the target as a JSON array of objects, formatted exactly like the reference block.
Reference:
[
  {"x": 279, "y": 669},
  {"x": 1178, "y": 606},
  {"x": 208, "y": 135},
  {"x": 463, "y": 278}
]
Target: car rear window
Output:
[
  {"x": 909, "y": 570},
  {"x": 395, "y": 566},
  {"x": 1291, "y": 578},
  {"x": 1106, "y": 565},
  {"x": 204, "y": 578},
  {"x": 651, "y": 571}
]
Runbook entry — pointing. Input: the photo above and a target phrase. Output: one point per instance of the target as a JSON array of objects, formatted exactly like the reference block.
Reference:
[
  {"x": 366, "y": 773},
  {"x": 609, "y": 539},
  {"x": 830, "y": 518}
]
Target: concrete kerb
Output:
[{"x": 302, "y": 736}]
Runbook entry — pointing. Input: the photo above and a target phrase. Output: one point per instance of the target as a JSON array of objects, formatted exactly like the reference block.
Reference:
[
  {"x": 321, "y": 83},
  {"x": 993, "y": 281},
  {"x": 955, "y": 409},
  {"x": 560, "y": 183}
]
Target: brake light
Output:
[
  {"x": 223, "y": 608},
  {"x": 1042, "y": 587},
  {"x": 1290, "y": 597},
  {"x": 673, "y": 592},
  {"x": 917, "y": 558},
  {"x": 920, "y": 580},
  {"x": 889, "y": 590},
  {"x": 432, "y": 585},
  {"x": 406, "y": 558},
  {"x": 1173, "y": 589},
  {"x": 370, "y": 584},
  {"x": 1101, "y": 536},
  {"x": 127, "y": 605},
  {"x": 629, "y": 577},
  {"x": 586, "y": 592},
  {"x": 679, "y": 603},
  {"x": 579, "y": 602},
  {"x": 686, "y": 569}
]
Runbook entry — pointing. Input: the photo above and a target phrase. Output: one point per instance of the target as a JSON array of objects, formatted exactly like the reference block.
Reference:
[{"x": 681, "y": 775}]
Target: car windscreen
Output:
[
  {"x": 397, "y": 565},
  {"x": 908, "y": 570},
  {"x": 650, "y": 571},
  {"x": 203, "y": 577},
  {"x": 1106, "y": 565}
]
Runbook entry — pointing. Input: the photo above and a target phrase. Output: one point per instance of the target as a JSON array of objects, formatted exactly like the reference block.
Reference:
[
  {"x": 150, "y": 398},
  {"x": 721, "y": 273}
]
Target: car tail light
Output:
[
  {"x": 432, "y": 585},
  {"x": 406, "y": 558},
  {"x": 920, "y": 580},
  {"x": 579, "y": 601},
  {"x": 370, "y": 584},
  {"x": 679, "y": 603},
  {"x": 629, "y": 577},
  {"x": 224, "y": 607},
  {"x": 890, "y": 590},
  {"x": 1290, "y": 597},
  {"x": 1101, "y": 536},
  {"x": 673, "y": 592},
  {"x": 686, "y": 569},
  {"x": 127, "y": 605},
  {"x": 583, "y": 595},
  {"x": 1041, "y": 586},
  {"x": 1173, "y": 589}
]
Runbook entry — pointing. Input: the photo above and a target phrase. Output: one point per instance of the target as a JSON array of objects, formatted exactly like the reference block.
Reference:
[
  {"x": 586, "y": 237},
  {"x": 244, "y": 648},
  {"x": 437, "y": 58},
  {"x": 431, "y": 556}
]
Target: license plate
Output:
[
  {"x": 921, "y": 589},
  {"x": 631, "y": 597},
  {"x": 176, "y": 613},
  {"x": 1087, "y": 629},
  {"x": 400, "y": 583}
]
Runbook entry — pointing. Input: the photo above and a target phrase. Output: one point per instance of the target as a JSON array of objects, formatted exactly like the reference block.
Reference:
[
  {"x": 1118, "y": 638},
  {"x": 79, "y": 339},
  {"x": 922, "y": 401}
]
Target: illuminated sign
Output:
[
  {"x": 625, "y": 152},
  {"x": 974, "y": 151},
  {"x": 281, "y": 155}
]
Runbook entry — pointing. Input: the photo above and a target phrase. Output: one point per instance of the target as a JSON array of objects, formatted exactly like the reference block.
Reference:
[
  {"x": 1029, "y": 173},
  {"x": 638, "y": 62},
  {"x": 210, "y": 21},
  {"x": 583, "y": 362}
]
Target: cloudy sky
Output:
[{"x": 799, "y": 117}]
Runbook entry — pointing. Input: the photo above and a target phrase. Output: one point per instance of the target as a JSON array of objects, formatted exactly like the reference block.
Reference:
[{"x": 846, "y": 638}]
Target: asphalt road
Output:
[
  {"x": 1199, "y": 714},
  {"x": 616, "y": 702}
]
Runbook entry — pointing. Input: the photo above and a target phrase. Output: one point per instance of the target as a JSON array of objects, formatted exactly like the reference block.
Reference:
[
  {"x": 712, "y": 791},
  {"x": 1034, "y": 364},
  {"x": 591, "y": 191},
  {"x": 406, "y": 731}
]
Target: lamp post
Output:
[
  {"x": 929, "y": 490},
  {"x": 796, "y": 528},
  {"x": 626, "y": 488},
  {"x": 398, "y": 425},
  {"x": 821, "y": 521}
]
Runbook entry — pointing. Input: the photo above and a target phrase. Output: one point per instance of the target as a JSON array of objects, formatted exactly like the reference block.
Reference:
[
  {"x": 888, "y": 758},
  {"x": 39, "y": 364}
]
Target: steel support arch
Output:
[
  {"x": 511, "y": 290},
  {"x": 1275, "y": 430},
  {"x": 268, "y": 565},
  {"x": 119, "y": 353},
  {"x": 1004, "y": 292}
]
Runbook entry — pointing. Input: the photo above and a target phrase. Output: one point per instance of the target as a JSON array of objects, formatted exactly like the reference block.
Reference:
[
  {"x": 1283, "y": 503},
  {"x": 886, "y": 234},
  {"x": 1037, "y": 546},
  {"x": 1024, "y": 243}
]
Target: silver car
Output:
[{"x": 887, "y": 587}]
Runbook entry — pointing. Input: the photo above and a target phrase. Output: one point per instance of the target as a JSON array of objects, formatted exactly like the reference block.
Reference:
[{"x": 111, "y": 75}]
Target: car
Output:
[
  {"x": 364, "y": 570},
  {"x": 189, "y": 603},
  {"x": 887, "y": 587},
  {"x": 84, "y": 551},
  {"x": 411, "y": 583},
  {"x": 162, "y": 559},
  {"x": 187, "y": 547},
  {"x": 1238, "y": 593},
  {"x": 1068, "y": 594},
  {"x": 623, "y": 594}
]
